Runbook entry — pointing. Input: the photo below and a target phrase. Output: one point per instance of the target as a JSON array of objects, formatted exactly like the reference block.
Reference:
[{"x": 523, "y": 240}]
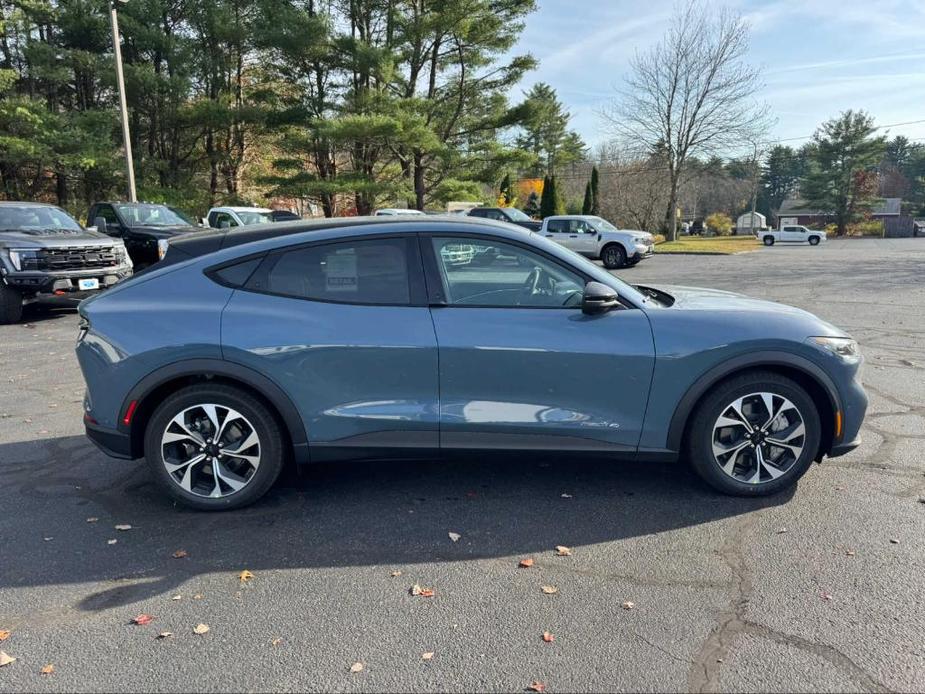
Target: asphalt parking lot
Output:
[{"x": 819, "y": 590}]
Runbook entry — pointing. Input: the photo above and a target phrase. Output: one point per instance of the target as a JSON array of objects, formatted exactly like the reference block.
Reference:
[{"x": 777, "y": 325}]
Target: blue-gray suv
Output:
[{"x": 411, "y": 337}]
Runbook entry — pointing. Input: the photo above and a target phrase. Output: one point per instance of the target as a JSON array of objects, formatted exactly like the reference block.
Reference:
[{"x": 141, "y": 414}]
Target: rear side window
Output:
[
  {"x": 373, "y": 271},
  {"x": 557, "y": 226}
]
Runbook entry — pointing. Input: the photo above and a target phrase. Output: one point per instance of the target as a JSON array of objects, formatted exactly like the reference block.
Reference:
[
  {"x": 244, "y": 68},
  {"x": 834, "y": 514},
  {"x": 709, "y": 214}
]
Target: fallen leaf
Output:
[
  {"x": 48, "y": 539},
  {"x": 628, "y": 605},
  {"x": 356, "y": 667},
  {"x": 6, "y": 659},
  {"x": 245, "y": 576},
  {"x": 849, "y": 552},
  {"x": 566, "y": 496},
  {"x": 180, "y": 554},
  {"x": 165, "y": 635},
  {"x": 4, "y": 634},
  {"x": 826, "y": 596},
  {"x": 548, "y": 638},
  {"x": 111, "y": 542},
  {"x": 201, "y": 629},
  {"x": 123, "y": 526},
  {"x": 394, "y": 574},
  {"x": 427, "y": 656},
  {"x": 142, "y": 619},
  {"x": 894, "y": 541},
  {"x": 177, "y": 597},
  {"x": 537, "y": 686},
  {"x": 276, "y": 642},
  {"x": 550, "y": 590},
  {"x": 781, "y": 531},
  {"x": 416, "y": 590},
  {"x": 454, "y": 536},
  {"x": 197, "y": 596},
  {"x": 48, "y": 669},
  {"x": 92, "y": 519},
  {"x": 563, "y": 551},
  {"x": 525, "y": 563}
]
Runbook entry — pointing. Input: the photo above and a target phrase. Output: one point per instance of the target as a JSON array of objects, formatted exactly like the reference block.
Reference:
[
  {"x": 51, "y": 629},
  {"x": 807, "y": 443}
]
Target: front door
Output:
[
  {"x": 521, "y": 367},
  {"x": 584, "y": 238},
  {"x": 345, "y": 330},
  {"x": 794, "y": 234}
]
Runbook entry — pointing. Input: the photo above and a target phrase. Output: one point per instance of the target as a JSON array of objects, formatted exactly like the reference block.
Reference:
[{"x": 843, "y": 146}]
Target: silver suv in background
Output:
[
  {"x": 595, "y": 237},
  {"x": 45, "y": 255}
]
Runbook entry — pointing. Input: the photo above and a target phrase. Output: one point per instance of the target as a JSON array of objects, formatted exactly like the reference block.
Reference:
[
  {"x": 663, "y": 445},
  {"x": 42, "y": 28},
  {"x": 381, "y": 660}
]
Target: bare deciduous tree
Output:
[{"x": 691, "y": 94}]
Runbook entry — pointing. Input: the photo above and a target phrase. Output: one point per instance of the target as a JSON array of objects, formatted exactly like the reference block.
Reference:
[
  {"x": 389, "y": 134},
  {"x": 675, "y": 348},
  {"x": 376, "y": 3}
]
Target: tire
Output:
[
  {"x": 252, "y": 419},
  {"x": 734, "y": 473},
  {"x": 768, "y": 240},
  {"x": 10, "y": 305},
  {"x": 613, "y": 256},
  {"x": 813, "y": 240}
]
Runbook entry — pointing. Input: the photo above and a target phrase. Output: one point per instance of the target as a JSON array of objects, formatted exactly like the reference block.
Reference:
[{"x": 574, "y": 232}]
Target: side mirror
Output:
[
  {"x": 100, "y": 224},
  {"x": 598, "y": 298}
]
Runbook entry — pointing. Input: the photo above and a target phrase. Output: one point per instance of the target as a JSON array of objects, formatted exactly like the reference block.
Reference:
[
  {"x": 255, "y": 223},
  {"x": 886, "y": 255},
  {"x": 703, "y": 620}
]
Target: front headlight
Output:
[
  {"x": 843, "y": 347},
  {"x": 162, "y": 245},
  {"x": 19, "y": 257}
]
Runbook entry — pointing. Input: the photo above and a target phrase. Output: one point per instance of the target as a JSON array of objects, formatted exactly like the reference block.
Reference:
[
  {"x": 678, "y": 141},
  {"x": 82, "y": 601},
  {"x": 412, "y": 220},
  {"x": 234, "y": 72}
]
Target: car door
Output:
[
  {"x": 793, "y": 234},
  {"x": 558, "y": 230},
  {"x": 521, "y": 367},
  {"x": 343, "y": 327},
  {"x": 584, "y": 238}
]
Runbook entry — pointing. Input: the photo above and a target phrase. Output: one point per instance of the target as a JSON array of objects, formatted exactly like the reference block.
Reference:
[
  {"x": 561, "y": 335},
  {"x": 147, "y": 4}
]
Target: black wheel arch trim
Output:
[
  {"x": 228, "y": 369},
  {"x": 753, "y": 360}
]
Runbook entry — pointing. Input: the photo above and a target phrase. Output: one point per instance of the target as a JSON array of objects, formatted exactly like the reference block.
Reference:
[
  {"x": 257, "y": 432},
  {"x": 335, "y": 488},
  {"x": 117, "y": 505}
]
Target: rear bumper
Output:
[{"x": 116, "y": 444}]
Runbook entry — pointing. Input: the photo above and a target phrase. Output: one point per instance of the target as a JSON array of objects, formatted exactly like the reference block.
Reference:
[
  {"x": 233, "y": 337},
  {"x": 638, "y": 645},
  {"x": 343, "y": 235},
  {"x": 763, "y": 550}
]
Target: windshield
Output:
[
  {"x": 182, "y": 215},
  {"x": 150, "y": 215},
  {"x": 602, "y": 224},
  {"x": 516, "y": 215},
  {"x": 251, "y": 217},
  {"x": 22, "y": 217}
]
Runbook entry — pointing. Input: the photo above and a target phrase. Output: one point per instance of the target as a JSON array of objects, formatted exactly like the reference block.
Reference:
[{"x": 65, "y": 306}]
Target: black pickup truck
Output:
[
  {"x": 46, "y": 256},
  {"x": 141, "y": 225},
  {"x": 506, "y": 214}
]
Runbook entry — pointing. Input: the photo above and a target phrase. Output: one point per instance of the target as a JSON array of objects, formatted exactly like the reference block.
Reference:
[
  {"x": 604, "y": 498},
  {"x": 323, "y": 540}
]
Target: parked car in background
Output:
[
  {"x": 506, "y": 214},
  {"x": 792, "y": 233},
  {"x": 140, "y": 225},
  {"x": 595, "y": 237},
  {"x": 283, "y": 216},
  {"x": 367, "y": 338},
  {"x": 45, "y": 255},
  {"x": 395, "y": 211},
  {"x": 231, "y": 217}
]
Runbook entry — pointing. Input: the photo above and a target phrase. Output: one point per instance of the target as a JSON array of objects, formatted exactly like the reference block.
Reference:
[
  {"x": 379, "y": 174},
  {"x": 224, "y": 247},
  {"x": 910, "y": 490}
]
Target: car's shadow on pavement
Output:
[{"x": 391, "y": 514}]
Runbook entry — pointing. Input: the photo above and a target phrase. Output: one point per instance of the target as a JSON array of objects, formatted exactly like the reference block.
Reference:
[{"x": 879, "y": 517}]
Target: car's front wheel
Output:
[
  {"x": 214, "y": 447},
  {"x": 613, "y": 256},
  {"x": 768, "y": 240},
  {"x": 813, "y": 240},
  {"x": 754, "y": 435}
]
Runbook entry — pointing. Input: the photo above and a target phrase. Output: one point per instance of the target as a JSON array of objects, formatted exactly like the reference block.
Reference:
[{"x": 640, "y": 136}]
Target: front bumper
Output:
[
  {"x": 854, "y": 407},
  {"x": 37, "y": 285},
  {"x": 642, "y": 251}
]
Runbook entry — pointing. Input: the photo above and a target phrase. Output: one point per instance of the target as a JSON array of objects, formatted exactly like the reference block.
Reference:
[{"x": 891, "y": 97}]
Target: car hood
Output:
[
  {"x": 54, "y": 238},
  {"x": 164, "y": 232}
]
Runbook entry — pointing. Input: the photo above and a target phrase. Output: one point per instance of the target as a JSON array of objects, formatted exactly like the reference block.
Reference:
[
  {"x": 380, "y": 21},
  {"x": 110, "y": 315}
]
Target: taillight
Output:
[{"x": 129, "y": 412}]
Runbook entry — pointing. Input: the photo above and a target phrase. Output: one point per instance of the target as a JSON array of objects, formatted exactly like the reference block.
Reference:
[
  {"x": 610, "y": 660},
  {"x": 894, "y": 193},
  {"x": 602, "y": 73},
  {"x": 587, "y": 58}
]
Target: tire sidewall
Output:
[
  {"x": 813, "y": 241},
  {"x": 701, "y": 434},
  {"x": 768, "y": 240},
  {"x": 620, "y": 253},
  {"x": 271, "y": 451}
]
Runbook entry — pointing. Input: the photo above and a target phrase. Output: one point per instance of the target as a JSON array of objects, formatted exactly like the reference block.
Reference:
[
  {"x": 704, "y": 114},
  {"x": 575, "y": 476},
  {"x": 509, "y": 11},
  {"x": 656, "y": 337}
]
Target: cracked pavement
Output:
[{"x": 820, "y": 589}]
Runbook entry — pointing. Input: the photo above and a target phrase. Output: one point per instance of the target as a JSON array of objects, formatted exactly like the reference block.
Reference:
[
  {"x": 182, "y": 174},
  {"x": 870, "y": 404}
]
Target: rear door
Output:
[
  {"x": 521, "y": 367},
  {"x": 558, "y": 230},
  {"x": 794, "y": 234},
  {"x": 344, "y": 328}
]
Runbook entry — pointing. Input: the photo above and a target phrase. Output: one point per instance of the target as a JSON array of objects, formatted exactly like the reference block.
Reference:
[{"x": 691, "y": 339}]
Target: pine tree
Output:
[
  {"x": 505, "y": 189},
  {"x": 546, "y": 199},
  {"x": 588, "y": 203},
  {"x": 532, "y": 208},
  {"x": 595, "y": 192},
  {"x": 558, "y": 199}
]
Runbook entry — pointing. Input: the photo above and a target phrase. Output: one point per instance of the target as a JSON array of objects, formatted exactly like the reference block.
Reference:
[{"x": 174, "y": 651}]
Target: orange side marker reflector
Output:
[
  {"x": 838, "y": 424},
  {"x": 127, "y": 419}
]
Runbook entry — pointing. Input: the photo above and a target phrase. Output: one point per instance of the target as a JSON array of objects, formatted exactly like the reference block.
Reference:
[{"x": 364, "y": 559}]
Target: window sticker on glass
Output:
[{"x": 340, "y": 271}]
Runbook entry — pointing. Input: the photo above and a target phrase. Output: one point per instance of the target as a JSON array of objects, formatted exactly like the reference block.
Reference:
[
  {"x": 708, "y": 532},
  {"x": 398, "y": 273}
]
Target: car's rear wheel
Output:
[
  {"x": 813, "y": 240},
  {"x": 768, "y": 240},
  {"x": 613, "y": 256},
  {"x": 754, "y": 435},
  {"x": 10, "y": 305},
  {"x": 214, "y": 447}
]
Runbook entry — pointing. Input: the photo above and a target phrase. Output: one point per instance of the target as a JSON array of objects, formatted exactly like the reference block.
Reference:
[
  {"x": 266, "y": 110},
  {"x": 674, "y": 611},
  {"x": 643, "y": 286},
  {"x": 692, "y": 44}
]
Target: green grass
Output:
[{"x": 716, "y": 244}]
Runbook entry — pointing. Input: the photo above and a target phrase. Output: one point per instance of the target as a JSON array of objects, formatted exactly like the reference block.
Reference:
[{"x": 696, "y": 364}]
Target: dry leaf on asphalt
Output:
[
  {"x": 416, "y": 590},
  {"x": 180, "y": 554},
  {"x": 563, "y": 551},
  {"x": 111, "y": 542},
  {"x": 276, "y": 642},
  {"x": 454, "y": 536},
  {"x": 142, "y": 619},
  {"x": 427, "y": 656},
  {"x": 566, "y": 496},
  {"x": 165, "y": 635},
  {"x": 525, "y": 563},
  {"x": 394, "y": 574},
  {"x": 628, "y": 605},
  {"x": 356, "y": 667},
  {"x": 245, "y": 576},
  {"x": 537, "y": 686},
  {"x": 894, "y": 541},
  {"x": 4, "y": 634},
  {"x": 177, "y": 597},
  {"x": 6, "y": 659},
  {"x": 92, "y": 519},
  {"x": 123, "y": 526},
  {"x": 849, "y": 552},
  {"x": 201, "y": 629},
  {"x": 550, "y": 590},
  {"x": 548, "y": 638},
  {"x": 47, "y": 669},
  {"x": 826, "y": 596},
  {"x": 197, "y": 596}
]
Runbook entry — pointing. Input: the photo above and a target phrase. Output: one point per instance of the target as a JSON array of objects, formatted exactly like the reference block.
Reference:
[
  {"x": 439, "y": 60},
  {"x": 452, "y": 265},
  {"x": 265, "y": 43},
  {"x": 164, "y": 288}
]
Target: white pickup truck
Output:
[
  {"x": 791, "y": 233},
  {"x": 597, "y": 238}
]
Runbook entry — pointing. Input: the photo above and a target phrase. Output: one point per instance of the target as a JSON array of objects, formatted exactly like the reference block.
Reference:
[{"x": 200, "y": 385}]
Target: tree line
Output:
[{"x": 342, "y": 103}]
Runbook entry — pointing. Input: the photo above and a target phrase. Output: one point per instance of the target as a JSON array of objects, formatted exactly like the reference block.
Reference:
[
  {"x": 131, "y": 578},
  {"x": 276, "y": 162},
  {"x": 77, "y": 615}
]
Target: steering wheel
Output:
[{"x": 538, "y": 283}]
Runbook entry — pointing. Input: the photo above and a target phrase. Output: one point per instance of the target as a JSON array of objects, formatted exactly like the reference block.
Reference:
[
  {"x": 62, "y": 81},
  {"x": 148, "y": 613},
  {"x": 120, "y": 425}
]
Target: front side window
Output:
[
  {"x": 477, "y": 272},
  {"x": 603, "y": 225},
  {"x": 150, "y": 215},
  {"x": 107, "y": 213},
  {"x": 223, "y": 220},
  {"x": 250, "y": 217},
  {"x": 516, "y": 215},
  {"x": 373, "y": 271}
]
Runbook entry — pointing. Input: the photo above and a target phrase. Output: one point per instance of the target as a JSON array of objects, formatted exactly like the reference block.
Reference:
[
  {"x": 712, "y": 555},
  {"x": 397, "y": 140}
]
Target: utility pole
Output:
[{"x": 120, "y": 78}]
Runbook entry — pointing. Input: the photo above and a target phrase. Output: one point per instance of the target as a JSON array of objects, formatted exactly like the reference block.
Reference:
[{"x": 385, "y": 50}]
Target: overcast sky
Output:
[{"x": 818, "y": 57}]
